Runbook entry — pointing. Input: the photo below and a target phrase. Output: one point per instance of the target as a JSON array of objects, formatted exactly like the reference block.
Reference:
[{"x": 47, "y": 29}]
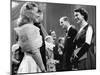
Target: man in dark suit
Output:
[{"x": 68, "y": 45}]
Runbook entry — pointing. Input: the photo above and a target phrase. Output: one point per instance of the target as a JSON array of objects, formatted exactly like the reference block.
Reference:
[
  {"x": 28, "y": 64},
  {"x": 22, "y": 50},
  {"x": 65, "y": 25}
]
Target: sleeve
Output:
[
  {"x": 34, "y": 37},
  {"x": 17, "y": 30},
  {"x": 73, "y": 33},
  {"x": 89, "y": 35},
  {"x": 29, "y": 36},
  {"x": 87, "y": 43},
  {"x": 15, "y": 47},
  {"x": 83, "y": 49}
]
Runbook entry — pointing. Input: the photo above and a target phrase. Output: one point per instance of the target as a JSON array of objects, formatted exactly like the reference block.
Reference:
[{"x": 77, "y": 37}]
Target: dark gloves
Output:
[
  {"x": 74, "y": 61},
  {"x": 84, "y": 49}
]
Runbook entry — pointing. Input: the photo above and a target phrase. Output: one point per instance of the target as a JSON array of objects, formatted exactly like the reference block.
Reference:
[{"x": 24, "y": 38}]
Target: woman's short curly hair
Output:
[{"x": 83, "y": 12}]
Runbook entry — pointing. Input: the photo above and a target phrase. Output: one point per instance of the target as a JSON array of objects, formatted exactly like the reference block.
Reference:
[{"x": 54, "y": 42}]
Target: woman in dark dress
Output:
[{"x": 82, "y": 41}]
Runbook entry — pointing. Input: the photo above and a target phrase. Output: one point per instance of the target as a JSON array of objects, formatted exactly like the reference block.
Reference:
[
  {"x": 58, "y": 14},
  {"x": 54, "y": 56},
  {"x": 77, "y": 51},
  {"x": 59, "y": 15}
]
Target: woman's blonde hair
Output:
[{"x": 26, "y": 14}]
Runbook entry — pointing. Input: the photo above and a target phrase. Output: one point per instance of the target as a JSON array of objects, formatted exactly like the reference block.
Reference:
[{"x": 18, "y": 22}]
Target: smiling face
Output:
[
  {"x": 78, "y": 17},
  {"x": 53, "y": 34},
  {"x": 63, "y": 23}
]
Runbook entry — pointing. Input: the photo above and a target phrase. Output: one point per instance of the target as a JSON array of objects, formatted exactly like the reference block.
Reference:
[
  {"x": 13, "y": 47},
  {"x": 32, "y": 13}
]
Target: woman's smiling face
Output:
[{"x": 78, "y": 17}]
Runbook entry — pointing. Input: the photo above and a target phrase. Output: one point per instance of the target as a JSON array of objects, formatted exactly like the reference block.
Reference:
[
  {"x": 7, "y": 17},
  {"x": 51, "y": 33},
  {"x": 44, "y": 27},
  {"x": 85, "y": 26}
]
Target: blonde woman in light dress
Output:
[{"x": 30, "y": 39}]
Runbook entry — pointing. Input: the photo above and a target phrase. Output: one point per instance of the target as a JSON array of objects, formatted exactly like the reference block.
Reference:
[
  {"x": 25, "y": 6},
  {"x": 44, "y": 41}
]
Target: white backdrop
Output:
[{"x": 5, "y": 36}]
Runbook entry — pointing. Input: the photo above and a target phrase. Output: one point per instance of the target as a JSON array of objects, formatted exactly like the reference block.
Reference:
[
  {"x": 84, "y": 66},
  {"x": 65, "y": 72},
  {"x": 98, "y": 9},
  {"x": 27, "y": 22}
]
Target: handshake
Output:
[{"x": 52, "y": 61}]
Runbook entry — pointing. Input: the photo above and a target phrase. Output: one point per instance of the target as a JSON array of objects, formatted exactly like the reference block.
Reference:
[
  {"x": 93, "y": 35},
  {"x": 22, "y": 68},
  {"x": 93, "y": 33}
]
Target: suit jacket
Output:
[{"x": 68, "y": 46}]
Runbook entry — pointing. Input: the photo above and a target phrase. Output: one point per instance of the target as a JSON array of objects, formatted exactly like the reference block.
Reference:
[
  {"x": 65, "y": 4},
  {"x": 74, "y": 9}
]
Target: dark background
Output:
[{"x": 52, "y": 14}]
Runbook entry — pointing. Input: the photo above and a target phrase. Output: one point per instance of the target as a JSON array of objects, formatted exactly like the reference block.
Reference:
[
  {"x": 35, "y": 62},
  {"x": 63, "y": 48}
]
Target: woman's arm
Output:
[
  {"x": 37, "y": 57},
  {"x": 87, "y": 43}
]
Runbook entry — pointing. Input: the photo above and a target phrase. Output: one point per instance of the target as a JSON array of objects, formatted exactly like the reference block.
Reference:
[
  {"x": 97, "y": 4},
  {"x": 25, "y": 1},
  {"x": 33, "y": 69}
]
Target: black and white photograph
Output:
[{"x": 51, "y": 37}]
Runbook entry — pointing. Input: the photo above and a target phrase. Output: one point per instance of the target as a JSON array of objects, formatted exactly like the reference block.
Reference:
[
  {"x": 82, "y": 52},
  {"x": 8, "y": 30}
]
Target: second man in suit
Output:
[{"x": 68, "y": 45}]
